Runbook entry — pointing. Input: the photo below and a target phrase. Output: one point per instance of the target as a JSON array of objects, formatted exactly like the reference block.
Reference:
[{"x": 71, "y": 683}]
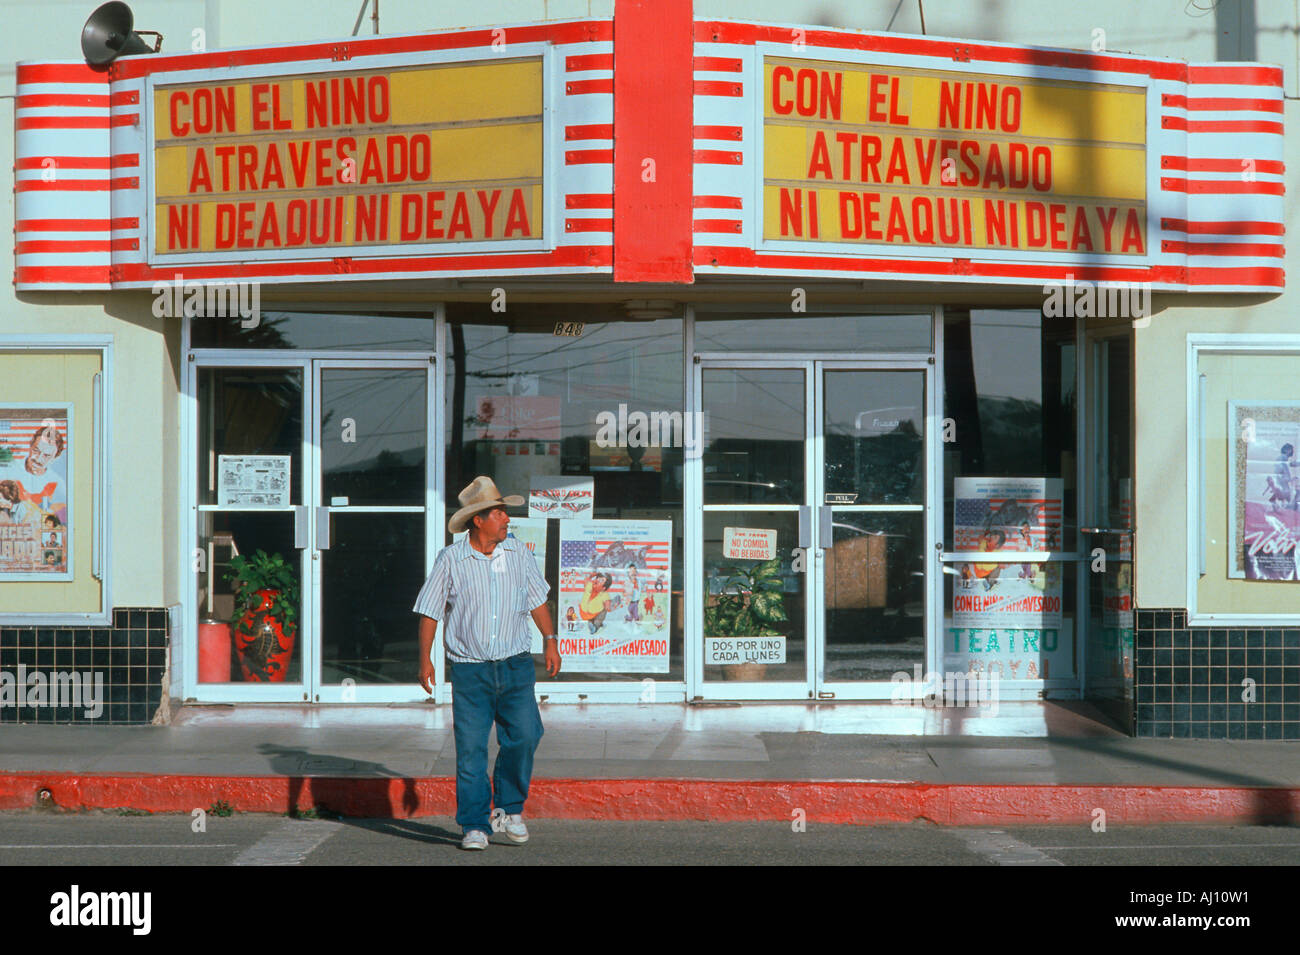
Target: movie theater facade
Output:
[{"x": 825, "y": 361}]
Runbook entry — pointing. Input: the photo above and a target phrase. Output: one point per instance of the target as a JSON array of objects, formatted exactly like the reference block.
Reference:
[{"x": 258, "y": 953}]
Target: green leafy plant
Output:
[
  {"x": 220, "y": 808},
  {"x": 751, "y": 602},
  {"x": 262, "y": 572}
]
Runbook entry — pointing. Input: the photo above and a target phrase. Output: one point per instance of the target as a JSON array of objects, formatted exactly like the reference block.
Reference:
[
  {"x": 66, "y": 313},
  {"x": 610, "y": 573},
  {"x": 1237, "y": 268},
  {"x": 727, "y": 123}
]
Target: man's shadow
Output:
[{"x": 353, "y": 791}]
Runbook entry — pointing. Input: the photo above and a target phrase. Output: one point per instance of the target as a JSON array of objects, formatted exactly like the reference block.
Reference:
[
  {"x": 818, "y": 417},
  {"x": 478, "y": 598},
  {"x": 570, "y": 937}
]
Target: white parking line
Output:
[
  {"x": 289, "y": 844},
  {"x": 1001, "y": 848},
  {"x": 1194, "y": 845},
  {"x": 128, "y": 845}
]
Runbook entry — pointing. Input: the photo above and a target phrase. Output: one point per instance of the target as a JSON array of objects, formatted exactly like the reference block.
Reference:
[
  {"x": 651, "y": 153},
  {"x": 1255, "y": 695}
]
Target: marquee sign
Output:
[
  {"x": 744, "y": 150},
  {"x": 366, "y": 159},
  {"x": 859, "y": 154}
]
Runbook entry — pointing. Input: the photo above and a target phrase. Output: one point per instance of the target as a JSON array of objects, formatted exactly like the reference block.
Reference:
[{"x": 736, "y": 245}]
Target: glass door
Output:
[
  {"x": 872, "y": 499},
  {"x": 1108, "y": 539},
  {"x": 374, "y": 488},
  {"x": 251, "y": 501},
  {"x": 755, "y": 460},
  {"x": 320, "y": 466},
  {"x": 816, "y": 482}
]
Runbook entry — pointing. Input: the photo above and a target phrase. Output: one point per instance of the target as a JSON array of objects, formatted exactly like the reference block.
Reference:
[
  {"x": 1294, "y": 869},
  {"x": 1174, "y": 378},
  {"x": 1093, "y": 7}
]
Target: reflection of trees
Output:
[
  {"x": 389, "y": 476},
  {"x": 227, "y": 332},
  {"x": 996, "y": 434},
  {"x": 1013, "y": 435},
  {"x": 883, "y": 469},
  {"x": 961, "y": 395},
  {"x": 373, "y": 576},
  {"x": 457, "y": 461}
]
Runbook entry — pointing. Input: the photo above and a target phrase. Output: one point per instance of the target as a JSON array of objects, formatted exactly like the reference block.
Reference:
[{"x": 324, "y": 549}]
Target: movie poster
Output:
[
  {"x": 615, "y": 595},
  {"x": 531, "y": 532},
  {"x": 1008, "y": 613},
  {"x": 35, "y": 492},
  {"x": 1263, "y": 489}
]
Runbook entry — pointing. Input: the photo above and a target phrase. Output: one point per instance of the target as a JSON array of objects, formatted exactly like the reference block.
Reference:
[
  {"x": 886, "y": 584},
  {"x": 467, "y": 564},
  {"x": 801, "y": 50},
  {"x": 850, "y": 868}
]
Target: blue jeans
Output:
[{"x": 499, "y": 691}]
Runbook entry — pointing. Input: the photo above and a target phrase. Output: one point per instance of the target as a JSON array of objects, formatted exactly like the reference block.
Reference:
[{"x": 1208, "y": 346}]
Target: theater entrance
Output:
[
  {"x": 818, "y": 528},
  {"x": 312, "y": 479}
]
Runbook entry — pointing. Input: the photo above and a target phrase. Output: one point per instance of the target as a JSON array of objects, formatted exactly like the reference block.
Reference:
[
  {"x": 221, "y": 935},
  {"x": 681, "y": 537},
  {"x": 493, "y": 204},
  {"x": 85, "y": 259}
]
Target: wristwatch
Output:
[{"x": 550, "y": 637}]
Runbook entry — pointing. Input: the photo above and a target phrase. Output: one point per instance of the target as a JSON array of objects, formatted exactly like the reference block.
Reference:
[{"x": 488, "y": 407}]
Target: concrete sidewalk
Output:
[{"x": 857, "y": 762}]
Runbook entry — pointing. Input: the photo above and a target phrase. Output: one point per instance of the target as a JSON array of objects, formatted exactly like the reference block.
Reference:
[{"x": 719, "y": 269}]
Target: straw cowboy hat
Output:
[{"x": 481, "y": 494}]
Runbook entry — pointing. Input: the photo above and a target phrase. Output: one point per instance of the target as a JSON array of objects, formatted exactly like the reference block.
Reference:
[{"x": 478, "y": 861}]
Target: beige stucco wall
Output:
[
  {"x": 144, "y": 379},
  {"x": 1160, "y": 399}
]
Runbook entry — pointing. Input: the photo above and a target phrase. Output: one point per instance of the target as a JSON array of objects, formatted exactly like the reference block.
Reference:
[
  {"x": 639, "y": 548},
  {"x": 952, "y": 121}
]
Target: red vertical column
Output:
[{"x": 653, "y": 140}]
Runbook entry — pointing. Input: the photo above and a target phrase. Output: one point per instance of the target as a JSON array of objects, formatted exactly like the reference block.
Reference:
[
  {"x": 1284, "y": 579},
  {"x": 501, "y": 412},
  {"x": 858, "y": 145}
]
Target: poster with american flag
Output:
[
  {"x": 1027, "y": 512},
  {"x": 1006, "y": 613},
  {"x": 615, "y": 595}
]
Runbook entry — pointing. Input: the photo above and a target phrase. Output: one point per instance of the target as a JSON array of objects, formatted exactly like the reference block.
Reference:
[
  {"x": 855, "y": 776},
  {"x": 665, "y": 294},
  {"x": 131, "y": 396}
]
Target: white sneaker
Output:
[
  {"x": 512, "y": 825},
  {"x": 474, "y": 839}
]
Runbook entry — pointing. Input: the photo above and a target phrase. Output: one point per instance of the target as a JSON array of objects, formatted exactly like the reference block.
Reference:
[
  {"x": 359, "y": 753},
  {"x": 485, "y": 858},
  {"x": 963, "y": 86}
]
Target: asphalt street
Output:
[{"x": 108, "y": 838}]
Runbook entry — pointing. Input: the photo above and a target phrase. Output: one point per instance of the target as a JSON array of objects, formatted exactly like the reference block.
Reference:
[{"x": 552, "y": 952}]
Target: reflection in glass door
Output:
[
  {"x": 249, "y": 503},
  {"x": 872, "y": 526},
  {"x": 321, "y": 465},
  {"x": 1109, "y": 667},
  {"x": 373, "y": 481},
  {"x": 756, "y": 531},
  {"x": 816, "y": 483}
]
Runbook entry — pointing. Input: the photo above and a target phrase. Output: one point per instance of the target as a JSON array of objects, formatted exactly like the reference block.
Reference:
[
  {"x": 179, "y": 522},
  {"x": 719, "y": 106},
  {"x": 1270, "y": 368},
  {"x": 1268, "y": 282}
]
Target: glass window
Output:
[
  {"x": 873, "y": 427},
  {"x": 48, "y": 452},
  {"x": 248, "y": 419},
  {"x": 1110, "y": 591},
  {"x": 783, "y": 332},
  {"x": 753, "y": 435},
  {"x": 249, "y": 412},
  {"x": 1009, "y": 402},
  {"x": 317, "y": 330},
  {"x": 1010, "y": 394},
  {"x": 525, "y": 403},
  {"x": 1249, "y": 484}
]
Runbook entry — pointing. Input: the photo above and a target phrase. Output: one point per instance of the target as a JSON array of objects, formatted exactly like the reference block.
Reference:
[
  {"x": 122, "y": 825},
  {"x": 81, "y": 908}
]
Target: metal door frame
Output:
[
  {"x": 814, "y": 686},
  {"x": 321, "y": 526},
  {"x": 310, "y": 364},
  {"x": 933, "y": 418},
  {"x": 774, "y": 691}
]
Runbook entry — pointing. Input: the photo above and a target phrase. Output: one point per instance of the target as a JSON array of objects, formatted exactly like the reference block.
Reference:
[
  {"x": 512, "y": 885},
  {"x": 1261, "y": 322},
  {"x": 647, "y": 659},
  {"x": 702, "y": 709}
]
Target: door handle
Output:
[
  {"x": 826, "y": 528},
  {"x": 322, "y": 528},
  {"x": 805, "y": 526},
  {"x": 300, "y": 526}
]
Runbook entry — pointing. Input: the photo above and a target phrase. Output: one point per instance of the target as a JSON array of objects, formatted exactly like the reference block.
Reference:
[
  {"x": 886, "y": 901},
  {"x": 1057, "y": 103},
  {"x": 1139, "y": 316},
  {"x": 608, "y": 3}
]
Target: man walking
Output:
[{"x": 485, "y": 587}]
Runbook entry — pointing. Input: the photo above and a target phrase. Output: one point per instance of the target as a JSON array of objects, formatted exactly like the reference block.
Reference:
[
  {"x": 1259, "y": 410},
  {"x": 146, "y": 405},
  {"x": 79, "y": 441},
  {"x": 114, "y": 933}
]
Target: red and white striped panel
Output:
[
  {"x": 1216, "y": 222},
  {"x": 85, "y": 227},
  {"x": 1229, "y": 175},
  {"x": 723, "y": 165},
  {"x": 588, "y": 141},
  {"x": 64, "y": 175}
]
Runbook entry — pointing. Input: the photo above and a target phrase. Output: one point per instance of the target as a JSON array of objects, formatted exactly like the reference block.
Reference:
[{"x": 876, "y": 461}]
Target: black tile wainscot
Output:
[
  {"x": 1190, "y": 682},
  {"x": 127, "y": 660}
]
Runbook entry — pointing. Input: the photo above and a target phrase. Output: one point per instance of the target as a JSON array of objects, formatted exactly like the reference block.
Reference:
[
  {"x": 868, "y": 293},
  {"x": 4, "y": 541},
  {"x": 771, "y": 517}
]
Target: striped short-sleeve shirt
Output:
[{"x": 482, "y": 600}]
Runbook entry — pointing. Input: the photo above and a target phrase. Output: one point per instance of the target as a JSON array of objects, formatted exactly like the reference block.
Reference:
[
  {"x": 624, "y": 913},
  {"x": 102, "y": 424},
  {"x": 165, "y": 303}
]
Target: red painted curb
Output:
[{"x": 832, "y": 801}]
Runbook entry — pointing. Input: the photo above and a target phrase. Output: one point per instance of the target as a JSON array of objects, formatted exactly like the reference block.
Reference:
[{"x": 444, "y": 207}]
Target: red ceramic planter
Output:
[{"x": 264, "y": 643}]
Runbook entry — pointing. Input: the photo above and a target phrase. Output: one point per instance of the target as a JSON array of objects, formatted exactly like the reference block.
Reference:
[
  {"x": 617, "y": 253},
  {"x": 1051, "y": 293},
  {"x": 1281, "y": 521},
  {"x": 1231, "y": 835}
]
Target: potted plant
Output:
[
  {"x": 266, "y": 609},
  {"x": 750, "y": 602}
]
